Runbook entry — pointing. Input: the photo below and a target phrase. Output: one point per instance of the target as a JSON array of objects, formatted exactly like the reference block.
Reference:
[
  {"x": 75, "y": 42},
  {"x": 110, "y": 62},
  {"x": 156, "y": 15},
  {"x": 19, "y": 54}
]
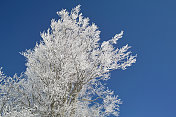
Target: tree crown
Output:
[{"x": 65, "y": 71}]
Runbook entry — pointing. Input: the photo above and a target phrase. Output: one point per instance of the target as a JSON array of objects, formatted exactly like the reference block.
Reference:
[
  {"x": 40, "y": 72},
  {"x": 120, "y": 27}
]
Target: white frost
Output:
[{"x": 65, "y": 71}]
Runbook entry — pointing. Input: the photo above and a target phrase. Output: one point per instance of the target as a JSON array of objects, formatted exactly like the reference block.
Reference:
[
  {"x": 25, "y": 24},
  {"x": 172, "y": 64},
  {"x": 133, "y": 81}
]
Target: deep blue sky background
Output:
[{"x": 148, "y": 88}]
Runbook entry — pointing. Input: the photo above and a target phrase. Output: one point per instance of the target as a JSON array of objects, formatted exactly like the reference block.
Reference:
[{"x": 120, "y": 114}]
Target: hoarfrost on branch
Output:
[{"x": 64, "y": 73}]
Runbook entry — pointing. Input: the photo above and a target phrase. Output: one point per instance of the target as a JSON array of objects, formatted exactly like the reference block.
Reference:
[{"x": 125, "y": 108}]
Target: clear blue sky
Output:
[{"x": 148, "y": 88}]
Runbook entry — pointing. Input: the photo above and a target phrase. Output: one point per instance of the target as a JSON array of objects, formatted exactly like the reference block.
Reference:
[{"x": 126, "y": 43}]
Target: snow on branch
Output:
[{"x": 64, "y": 72}]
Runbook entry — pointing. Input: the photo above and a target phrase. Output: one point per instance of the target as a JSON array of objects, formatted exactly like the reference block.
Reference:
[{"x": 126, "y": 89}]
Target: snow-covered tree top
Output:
[{"x": 66, "y": 69}]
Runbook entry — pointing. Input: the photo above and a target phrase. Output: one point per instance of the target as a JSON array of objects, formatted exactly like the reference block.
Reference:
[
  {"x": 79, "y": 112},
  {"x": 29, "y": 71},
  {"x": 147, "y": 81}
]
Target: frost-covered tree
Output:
[{"x": 65, "y": 73}]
